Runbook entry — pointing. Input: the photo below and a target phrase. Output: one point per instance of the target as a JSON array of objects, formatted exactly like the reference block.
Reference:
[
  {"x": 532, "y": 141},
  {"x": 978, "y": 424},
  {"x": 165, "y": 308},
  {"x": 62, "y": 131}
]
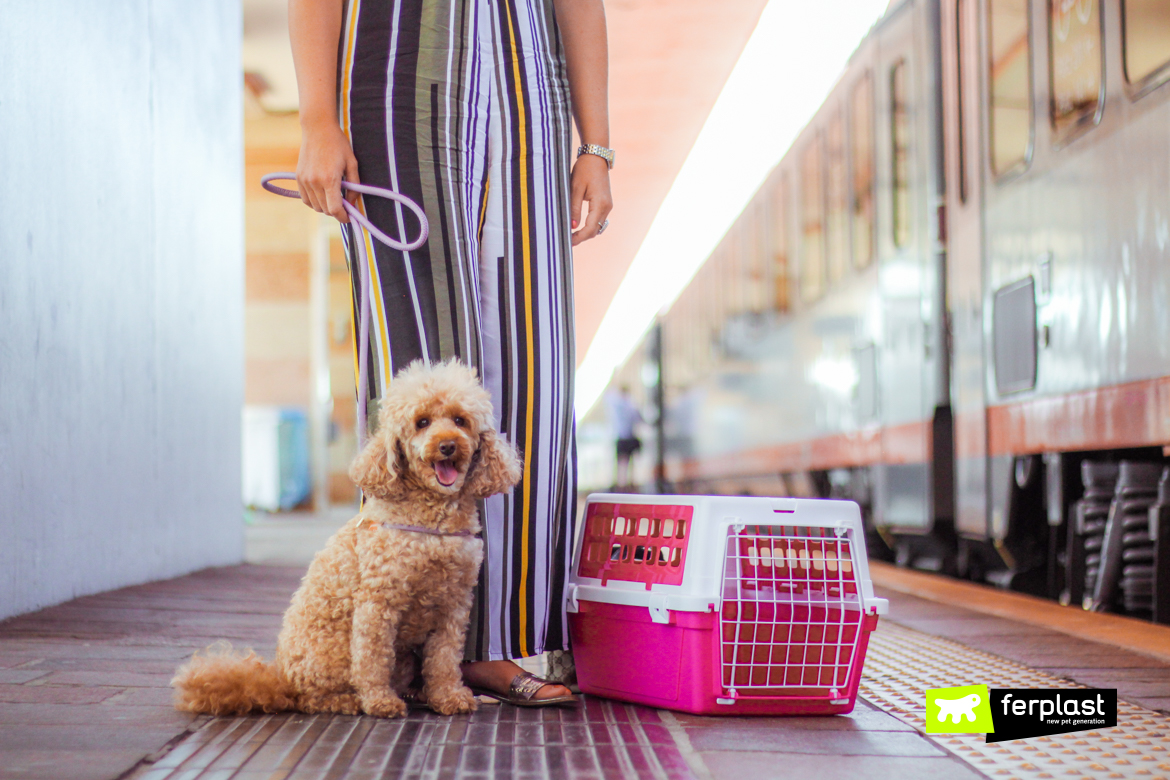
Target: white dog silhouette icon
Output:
[{"x": 958, "y": 709}]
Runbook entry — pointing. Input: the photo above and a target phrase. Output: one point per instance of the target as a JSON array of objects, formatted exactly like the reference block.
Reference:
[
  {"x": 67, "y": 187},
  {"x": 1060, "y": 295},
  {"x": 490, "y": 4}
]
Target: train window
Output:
[
  {"x": 961, "y": 144},
  {"x": 757, "y": 258},
  {"x": 732, "y": 273},
  {"x": 780, "y": 245},
  {"x": 1011, "y": 84},
  {"x": 700, "y": 348},
  {"x": 1147, "y": 38},
  {"x": 720, "y": 291},
  {"x": 861, "y": 140},
  {"x": 1074, "y": 51},
  {"x": 742, "y": 251},
  {"x": 812, "y": 221},
  {"x": 837, "y": 233},
  {"x": 713, "y": 321},
  {"x": 900, "y": 151},
  {"x": 738, "y": 267}
]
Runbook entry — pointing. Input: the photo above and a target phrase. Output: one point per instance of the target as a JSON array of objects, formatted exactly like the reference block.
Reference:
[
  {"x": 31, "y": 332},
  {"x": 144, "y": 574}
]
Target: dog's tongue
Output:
[{"x": 446, "y": 472}]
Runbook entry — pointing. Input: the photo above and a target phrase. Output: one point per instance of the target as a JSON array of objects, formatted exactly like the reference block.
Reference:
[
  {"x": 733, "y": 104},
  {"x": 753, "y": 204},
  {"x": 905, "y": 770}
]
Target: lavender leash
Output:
[{"x": 367, "y": 291}]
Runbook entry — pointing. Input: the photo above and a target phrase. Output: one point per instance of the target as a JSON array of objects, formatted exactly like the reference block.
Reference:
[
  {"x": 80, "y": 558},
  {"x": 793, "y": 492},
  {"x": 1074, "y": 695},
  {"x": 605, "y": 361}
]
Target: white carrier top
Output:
[{"x": 687, "y": 553}]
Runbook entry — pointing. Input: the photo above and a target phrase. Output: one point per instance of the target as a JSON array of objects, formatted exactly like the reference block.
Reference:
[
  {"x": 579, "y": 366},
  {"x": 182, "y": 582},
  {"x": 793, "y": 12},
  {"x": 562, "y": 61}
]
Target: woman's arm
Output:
[
  {"x": 582, "y": 25},
  {"x": 326, "y": 157}
]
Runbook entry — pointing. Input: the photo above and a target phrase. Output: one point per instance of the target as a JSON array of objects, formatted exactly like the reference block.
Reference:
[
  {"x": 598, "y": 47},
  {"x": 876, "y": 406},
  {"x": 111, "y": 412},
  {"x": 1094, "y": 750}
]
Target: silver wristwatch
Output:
[{"x": 600, "y": 151}]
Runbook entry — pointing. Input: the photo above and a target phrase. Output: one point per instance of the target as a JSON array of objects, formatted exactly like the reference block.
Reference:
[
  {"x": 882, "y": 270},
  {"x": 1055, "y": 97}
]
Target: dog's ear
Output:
[
  {"x": 376, "y": 470},
  {"x": 496, "y": 467}
]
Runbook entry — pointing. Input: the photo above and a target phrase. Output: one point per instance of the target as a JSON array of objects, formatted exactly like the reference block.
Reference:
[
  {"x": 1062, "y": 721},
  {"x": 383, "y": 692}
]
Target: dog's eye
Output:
[
  {"x": 422, "y": 423},
  {"x": 462, "y": 423}
]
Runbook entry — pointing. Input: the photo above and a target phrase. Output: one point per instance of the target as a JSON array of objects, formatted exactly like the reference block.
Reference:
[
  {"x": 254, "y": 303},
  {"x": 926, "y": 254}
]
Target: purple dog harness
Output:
[{"x": 366, "y": 290}]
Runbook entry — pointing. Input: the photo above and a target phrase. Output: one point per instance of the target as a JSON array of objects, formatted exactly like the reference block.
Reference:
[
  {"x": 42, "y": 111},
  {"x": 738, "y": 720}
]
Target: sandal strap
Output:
[{"x": 525, "y": 686}]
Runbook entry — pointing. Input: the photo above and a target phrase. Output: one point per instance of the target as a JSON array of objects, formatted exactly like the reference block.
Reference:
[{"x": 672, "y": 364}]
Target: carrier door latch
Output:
[
  {"x": 658, "y": 611},
  {"x": 572, "y": 605}
]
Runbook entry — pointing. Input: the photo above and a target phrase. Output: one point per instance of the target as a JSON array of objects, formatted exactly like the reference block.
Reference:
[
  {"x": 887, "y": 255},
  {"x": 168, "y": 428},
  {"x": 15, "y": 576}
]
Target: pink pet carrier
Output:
[{"x": 722, "y": 604}]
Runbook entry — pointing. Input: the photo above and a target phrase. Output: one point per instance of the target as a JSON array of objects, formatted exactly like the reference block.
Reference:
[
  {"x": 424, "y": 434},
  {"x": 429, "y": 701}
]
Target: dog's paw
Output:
[
  {"x": 452, "y": 701},
  {"x": 383, "y": 705}
]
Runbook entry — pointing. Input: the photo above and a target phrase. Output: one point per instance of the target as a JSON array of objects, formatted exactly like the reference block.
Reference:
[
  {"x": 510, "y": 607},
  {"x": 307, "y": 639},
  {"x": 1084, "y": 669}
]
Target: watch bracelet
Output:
[{"x": 598, "y": 151}]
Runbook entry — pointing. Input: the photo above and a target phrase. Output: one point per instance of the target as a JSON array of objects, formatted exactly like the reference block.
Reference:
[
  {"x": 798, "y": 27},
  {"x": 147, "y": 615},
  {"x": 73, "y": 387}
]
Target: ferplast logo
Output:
[
  {"x": 1018, "y": 713},
  {"x": 963, "y": 710}
]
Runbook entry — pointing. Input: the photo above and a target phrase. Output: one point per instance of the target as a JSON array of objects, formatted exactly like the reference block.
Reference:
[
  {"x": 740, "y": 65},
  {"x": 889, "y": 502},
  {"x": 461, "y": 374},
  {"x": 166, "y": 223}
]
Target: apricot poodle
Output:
[{"x": 395, "y": 582}]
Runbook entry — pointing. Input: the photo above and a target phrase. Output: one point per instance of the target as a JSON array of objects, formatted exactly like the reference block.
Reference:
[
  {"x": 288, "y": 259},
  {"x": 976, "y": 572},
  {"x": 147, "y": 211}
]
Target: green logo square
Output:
[{"x": 964, "y": 710}]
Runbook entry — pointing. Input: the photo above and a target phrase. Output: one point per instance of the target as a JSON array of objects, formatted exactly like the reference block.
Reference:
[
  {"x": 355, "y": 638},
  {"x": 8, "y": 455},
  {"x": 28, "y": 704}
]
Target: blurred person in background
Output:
[{"x": 624, "y": 417}]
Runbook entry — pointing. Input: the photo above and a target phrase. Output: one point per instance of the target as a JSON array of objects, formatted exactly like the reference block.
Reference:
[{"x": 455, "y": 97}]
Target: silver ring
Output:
[{"x": 601, "y": 228}]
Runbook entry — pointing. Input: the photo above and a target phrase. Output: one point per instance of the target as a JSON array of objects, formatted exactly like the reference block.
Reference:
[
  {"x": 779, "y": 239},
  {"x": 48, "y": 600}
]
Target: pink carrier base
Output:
[
  {"x": 620, "y": 653},
  {"x": 722, "y": 605}
]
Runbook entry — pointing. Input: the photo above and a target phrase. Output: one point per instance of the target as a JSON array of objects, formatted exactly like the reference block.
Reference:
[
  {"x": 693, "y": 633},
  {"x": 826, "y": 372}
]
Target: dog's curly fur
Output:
[{"x": 375, "y": 596}]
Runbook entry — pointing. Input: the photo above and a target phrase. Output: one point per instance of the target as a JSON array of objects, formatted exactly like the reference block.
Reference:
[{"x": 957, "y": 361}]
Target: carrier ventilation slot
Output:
[{"x": 636, "y": 543}]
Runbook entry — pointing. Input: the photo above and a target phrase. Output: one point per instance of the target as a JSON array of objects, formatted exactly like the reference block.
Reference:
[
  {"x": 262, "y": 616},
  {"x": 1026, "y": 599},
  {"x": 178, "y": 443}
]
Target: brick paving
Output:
[
  {"x": 599, "y": 739},
  {"x": 596, "y": 740},
  {"x": 85, "y": 686},
  {"x": 84, "y": 693}
]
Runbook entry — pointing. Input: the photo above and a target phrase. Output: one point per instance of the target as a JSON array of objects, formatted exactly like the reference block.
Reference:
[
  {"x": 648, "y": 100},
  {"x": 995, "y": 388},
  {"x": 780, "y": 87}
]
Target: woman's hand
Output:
[
  {"x": 589, "y": 183},
  {"x": 582, "y": 25},
  {"x": 326, "y": 158}
]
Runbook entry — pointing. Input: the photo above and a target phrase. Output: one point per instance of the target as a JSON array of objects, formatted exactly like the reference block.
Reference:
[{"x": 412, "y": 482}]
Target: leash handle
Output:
[
  {"x": 363, "y": 281},
  {"x": 355, "y": 214}
]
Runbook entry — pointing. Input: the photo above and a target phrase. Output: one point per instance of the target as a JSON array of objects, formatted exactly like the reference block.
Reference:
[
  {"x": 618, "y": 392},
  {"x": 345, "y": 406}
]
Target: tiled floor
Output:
[
  {"x": 590, "y": 742},
  {"x": 291, "y": 538},
  {"x": 84, "y": 694},
  {"x": 597, "y": 740},
  {"x": 85, "y": 686}
]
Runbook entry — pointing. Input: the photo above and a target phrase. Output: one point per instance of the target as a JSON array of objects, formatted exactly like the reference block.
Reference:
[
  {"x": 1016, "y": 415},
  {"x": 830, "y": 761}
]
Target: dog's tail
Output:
[{"x": 220, "y": 681}]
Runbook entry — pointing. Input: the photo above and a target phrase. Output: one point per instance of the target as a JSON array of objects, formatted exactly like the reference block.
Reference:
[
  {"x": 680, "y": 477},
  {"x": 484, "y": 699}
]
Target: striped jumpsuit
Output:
[{"x": 464, "y": 106}]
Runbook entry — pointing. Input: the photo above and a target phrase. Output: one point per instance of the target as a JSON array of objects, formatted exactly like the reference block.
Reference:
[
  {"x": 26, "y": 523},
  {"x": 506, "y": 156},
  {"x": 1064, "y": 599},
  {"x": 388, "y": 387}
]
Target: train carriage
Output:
[{"x": 949, "y": 295}]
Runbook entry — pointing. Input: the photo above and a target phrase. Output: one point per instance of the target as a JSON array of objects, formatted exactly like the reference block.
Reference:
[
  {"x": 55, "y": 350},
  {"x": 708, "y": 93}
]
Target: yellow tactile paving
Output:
[{"x": 902, "y": 664}]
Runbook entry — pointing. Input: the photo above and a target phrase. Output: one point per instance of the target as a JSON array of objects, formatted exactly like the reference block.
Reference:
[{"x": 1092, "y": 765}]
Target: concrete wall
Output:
[{"x": 121, "y": 294}]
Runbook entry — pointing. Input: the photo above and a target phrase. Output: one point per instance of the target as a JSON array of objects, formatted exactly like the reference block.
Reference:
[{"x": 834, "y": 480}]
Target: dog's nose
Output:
[{"x": 447, "y": 449}]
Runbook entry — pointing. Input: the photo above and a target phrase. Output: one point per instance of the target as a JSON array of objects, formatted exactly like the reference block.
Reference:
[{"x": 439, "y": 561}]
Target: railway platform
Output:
[{"x": 84, "y": 694}]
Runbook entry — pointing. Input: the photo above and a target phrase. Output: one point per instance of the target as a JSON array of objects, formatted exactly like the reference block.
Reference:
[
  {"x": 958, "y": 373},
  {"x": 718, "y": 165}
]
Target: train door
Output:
[
  {"x": 962, "y": 128},
  {"x": 905, "y": 93}
]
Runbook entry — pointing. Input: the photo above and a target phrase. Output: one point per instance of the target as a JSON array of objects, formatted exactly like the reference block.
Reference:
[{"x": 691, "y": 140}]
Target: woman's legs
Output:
[
  {"x": 525, "y": 311},
  {"x": 434, "y": 109},
  {"x": 526, "y": 328}
]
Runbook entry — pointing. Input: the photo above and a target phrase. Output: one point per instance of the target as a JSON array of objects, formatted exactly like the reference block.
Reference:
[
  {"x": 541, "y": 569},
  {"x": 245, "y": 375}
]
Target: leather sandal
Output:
[{"x": 522, "y": 690}]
